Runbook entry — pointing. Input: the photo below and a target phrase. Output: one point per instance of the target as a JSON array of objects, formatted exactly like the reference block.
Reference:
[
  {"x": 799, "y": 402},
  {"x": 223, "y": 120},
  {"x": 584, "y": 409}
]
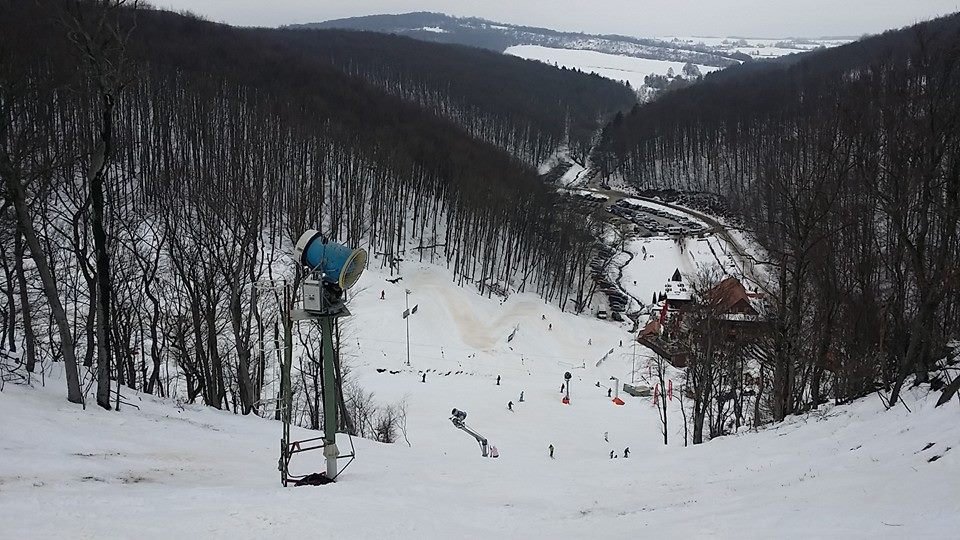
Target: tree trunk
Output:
[
  {"x": 30, "y": 343},
  {"x": 17, "y": 194},
  {"x": 102, "y": 258}
]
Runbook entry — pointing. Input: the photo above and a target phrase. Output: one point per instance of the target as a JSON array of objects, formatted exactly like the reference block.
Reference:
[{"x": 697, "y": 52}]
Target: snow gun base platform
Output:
[{"x": 287, "y": 451}]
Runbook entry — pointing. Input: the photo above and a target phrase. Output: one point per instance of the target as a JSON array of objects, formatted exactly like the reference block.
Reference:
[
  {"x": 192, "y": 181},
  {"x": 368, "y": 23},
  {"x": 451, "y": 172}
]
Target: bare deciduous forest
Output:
[
  {"x": 844, "y": 165},
  {"x": 156, "y": 166}
]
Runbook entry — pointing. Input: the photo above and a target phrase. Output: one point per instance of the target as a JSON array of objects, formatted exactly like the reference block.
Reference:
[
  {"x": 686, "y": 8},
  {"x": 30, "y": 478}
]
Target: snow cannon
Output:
[
  {"x": 337, "y": 264},
  {"x": 457, "y": 417}
]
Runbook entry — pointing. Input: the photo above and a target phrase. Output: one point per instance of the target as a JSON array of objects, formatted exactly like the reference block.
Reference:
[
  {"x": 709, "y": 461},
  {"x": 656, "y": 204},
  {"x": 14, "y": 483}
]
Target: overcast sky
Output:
[{"x": 749, "y": 18}]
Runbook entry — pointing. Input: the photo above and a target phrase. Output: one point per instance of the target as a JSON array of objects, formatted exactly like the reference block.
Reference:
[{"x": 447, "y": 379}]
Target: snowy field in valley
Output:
[
  {"x": 168, "y": 471},
  {"x": 611, "y": 66}
]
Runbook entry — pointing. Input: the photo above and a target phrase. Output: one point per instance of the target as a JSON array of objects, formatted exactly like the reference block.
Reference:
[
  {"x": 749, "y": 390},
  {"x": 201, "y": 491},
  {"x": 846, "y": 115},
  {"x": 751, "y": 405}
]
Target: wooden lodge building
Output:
[{"x": 737, "y": 308}]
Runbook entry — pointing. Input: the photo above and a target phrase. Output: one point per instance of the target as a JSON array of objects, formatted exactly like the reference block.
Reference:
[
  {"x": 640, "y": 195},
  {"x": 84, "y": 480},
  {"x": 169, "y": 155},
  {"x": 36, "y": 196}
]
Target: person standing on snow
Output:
[
  {"x": 383, "y": 295},
  {"x": 626, "y": 452},
  {"x": 498, "y": 380},
  {"x": 521, "y": 396},
  {"x": 562, "y": 386},
  {"x": 424, "y": 379},
  {"x": 609, "y": 392},
  {"x": 551, "y": 451}
]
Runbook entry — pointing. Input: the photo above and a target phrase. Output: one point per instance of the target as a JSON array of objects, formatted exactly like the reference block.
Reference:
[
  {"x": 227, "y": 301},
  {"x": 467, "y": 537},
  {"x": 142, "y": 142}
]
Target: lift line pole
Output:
[{"x": 406, "y": 317}]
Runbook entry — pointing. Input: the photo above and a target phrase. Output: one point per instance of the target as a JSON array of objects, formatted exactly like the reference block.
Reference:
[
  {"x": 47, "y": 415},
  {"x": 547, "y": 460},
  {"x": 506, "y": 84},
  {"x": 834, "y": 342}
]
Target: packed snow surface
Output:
[
  {"x": 611, "y": 66},
  {"x": 188, "y": 471}
]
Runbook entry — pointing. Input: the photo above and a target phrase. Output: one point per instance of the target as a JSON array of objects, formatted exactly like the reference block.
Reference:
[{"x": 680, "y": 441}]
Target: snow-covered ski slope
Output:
[{"x": 167, "y": 472}]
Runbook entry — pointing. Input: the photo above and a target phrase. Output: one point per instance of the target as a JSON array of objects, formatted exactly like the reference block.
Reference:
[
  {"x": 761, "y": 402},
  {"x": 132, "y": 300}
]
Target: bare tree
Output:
[{"x": 97, "y": 30}]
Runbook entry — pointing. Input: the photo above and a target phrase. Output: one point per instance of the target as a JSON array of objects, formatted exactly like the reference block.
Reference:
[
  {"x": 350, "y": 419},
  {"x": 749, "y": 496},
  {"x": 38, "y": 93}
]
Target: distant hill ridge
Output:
[{"x": 477, "y": 32}]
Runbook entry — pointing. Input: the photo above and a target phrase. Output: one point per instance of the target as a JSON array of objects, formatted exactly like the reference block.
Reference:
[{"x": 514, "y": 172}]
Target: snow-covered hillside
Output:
[
  {"x": 167, "y": 471},
  {"x": 756, "y": 47},
  {"x": 611, "y": 66}
]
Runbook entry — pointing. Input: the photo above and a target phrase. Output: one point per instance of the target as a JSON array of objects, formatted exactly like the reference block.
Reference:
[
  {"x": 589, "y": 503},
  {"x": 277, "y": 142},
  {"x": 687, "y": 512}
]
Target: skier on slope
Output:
[
  {"x": 510, "y": 406},
  {"x": 551, "y": 451},
  {"x": 626, "y": 452}
]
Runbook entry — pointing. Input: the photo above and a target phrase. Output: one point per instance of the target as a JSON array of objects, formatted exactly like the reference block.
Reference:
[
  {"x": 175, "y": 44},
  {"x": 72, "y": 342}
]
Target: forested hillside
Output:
[
  {"x": 155, "y": 166},
  {"x": 525, "y": 108},
  {"x": 845, "y": 165}
]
